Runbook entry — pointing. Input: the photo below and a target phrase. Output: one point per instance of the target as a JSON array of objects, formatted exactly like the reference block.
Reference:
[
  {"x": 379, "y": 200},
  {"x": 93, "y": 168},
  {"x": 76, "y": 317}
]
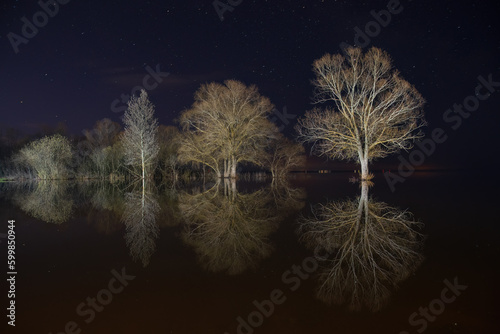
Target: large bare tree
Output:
[
  {"x": 226, "y": 125},
  {"x": 374, "y": 112},
  {"x": 140, "y": 140}
]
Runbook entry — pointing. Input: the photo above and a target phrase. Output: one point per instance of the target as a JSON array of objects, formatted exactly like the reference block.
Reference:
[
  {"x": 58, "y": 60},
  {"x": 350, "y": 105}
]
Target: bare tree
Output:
[
  {"x": 99, "y": 153},
  {"x": 103, "y": 134},
  {"x": 169, "y": 138},
  {"x": 283, "y": 155},
  {"x": 194, "y": 149},
  {"x": 226, "y": 125},
  {"x": 375, "y": 111},
  {"x": 140, "y": 141},
  {"x": 48, "y": 157}
]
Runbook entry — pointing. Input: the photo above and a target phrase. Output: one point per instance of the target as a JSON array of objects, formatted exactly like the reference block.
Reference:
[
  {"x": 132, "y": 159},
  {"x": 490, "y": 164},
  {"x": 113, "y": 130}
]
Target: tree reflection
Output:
[
  {"x": 374, "y": 246},
  {"x": 107, "y": 206},
  {"x": 48, "y": 201},
  {"x": 230, "y": 230},
  {"x": 139, "y": 215}
]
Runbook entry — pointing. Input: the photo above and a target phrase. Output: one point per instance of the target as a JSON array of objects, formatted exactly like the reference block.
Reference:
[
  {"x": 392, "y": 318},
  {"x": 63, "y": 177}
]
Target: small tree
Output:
[
  {"x": 140, "y": 141},
  {"x": 103, "y": 134},
  {"x": 48, "y": 157},
  {"x": 169, "y": 137},
  {"x": 375, "y": 111},
  {"x": 282, "y": 155},
  {"x": 100, "y": 143}
]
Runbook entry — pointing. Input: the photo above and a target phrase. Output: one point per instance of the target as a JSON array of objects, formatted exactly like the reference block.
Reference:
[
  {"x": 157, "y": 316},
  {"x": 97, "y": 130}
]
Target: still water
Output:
[{"x": 315, "y": 255}]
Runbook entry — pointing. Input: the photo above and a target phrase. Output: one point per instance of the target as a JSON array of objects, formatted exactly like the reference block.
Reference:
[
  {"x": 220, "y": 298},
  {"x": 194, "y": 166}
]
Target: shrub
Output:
[{"x": 48, "y": 157}]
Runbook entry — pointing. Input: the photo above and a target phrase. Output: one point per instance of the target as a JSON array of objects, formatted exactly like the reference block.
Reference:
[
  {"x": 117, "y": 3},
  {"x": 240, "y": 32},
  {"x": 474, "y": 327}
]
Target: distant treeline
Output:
[{"x": 226, "y": 130}]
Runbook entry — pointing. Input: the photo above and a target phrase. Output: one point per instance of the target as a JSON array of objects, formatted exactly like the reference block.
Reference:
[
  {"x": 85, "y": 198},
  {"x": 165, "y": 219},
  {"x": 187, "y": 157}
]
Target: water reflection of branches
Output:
[
  {"x": 107, "y": 203},
  {"x": 374, "y": 247},
  {"x": 229, "y": 230},
  {"x": 287, "y": 199},
  {"x": 48, "y": 201},
  {"x": 139, "y": 216}
]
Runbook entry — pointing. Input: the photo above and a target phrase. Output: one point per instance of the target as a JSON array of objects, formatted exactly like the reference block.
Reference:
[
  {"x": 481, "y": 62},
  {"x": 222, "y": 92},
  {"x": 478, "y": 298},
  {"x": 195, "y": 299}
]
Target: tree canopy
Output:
[
  {"x": 226, "y": 125},
  {"x": 373, "y": 111}
]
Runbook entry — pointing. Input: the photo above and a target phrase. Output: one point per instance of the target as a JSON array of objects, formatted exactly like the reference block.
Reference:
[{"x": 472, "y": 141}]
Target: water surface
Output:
[{"x": 205, "y": 258}]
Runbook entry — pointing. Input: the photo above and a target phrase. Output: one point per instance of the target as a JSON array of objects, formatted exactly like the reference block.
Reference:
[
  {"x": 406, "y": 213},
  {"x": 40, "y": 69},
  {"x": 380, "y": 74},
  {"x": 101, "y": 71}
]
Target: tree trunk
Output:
[
  {"x": 143, "y": 168},
  {"x": 226, "y": 168},
  {"x": 363, "y": 203},
  {"x": 364, "y": 168},
  {"x": 233, "y": 167}
]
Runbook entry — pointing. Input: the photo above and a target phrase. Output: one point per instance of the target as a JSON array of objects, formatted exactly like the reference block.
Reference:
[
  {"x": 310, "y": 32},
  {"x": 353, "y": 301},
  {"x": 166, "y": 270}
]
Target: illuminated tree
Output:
[
  {"x": 226, "y": 125},
  {"x": 140, "y": 140},
  {"x": 169, "y": 139},
  {"x": 283, "y": 155},
  {"x": 100, "y": 145},
  {"x": 103, "y": 134},
  {"x": 48, "y": 157},
  {"x": 375, "y": 111}
]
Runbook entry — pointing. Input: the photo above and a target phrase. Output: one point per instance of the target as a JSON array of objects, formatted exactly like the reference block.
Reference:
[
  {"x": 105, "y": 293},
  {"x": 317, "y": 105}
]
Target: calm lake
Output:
[{"x": 316, "y": 255}]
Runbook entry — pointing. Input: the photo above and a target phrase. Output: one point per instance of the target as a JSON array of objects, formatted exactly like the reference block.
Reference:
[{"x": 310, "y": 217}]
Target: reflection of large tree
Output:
[
  {"x": 139, "y": 216},
  {"x": 48, "y": 201},
  {"x": 374, "y": 247},
  {"x": 229, "y": 230}
]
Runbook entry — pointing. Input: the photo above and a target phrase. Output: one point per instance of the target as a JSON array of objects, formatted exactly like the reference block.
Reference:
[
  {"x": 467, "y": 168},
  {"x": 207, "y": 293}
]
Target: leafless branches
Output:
[
  {"x": 227, "y": 124},
  {"x": 48, "y": 201},
  {"x": 374, "y": 248},
  {"x": 48, "y": 157},
  {"x": 283, "y": 155},
  {"x": 228, "y": 231},
  {"x": 139, "y": 216},
  {"x": 374, "y": 112},
  {"x": 140, "y": 138}
]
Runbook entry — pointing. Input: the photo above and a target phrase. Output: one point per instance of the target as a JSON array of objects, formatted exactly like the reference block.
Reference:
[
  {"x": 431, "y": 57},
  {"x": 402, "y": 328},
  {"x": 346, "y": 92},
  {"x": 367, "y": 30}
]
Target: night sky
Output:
[{"x": 91, "y": 53}]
